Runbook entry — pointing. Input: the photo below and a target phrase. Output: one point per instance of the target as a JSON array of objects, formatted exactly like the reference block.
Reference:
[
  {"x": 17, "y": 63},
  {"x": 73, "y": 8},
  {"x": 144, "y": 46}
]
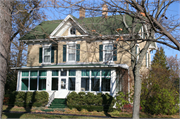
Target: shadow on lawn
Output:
[{"x": 12, "y": 102}]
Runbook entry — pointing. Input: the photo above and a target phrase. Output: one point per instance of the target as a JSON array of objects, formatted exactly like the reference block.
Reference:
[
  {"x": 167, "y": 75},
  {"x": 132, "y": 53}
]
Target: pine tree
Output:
[{"x": 160, "y": 58}]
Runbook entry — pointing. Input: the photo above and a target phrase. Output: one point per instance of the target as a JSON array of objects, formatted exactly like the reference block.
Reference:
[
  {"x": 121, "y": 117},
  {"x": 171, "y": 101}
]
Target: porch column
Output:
[
  {"x": 78, "y": 81},
  {"x": 113, "y": 83},
  {"x": 48, "y": 80}
]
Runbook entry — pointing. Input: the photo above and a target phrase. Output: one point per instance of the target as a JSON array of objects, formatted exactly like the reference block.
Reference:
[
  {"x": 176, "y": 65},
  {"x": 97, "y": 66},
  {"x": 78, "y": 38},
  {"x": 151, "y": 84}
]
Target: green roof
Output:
[{"x": 102, "y": 25}]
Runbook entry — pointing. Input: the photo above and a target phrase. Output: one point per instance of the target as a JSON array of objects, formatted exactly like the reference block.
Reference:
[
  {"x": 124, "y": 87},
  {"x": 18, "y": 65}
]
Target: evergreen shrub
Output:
[
  {"x": 28, "y": 99},
  {"x": 90, "y": 102}
]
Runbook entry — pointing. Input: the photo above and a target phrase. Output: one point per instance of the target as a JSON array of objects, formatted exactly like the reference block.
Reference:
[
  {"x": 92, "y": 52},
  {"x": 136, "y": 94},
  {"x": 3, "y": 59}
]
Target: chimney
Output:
[
  {"x": 81, "y": 13},
  {"x": 104, "y": 8}
]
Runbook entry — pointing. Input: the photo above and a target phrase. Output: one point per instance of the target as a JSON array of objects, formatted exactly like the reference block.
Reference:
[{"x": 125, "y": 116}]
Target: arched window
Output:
[{"x": 73, "y": 31}]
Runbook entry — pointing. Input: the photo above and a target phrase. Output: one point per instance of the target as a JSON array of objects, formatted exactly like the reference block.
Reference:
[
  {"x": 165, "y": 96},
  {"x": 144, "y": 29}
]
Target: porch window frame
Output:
[{"x": 55, "y": 77}]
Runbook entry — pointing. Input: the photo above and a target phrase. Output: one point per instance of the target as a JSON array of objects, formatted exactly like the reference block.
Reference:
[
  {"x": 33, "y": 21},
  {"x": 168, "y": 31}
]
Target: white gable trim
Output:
[{"x": 62, "y": 23}]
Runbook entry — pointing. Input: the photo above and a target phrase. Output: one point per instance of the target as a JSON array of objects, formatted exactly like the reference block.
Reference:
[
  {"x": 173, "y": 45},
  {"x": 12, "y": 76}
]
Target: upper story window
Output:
[
  {"x": 46, "y": 54},
  {"x": 72, "y": 31},
  {"x": 71, "y": 52},
  {"x": 108, "y": 52}
]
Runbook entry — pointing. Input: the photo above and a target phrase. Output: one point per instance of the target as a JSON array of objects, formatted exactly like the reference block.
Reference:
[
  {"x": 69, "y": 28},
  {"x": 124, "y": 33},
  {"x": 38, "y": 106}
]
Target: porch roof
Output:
[{"x": 66, "y": 65}]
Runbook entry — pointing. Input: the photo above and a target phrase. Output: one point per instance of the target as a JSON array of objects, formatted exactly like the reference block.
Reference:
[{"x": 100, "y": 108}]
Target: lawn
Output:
[{"x": 71, "y": 111}]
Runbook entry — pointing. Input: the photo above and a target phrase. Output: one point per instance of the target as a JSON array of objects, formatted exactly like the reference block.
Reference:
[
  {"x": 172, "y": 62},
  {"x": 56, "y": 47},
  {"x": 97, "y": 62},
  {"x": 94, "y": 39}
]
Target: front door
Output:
[
  {"x": 63, "y": 83},
  {"x": 62, "y": 88}
]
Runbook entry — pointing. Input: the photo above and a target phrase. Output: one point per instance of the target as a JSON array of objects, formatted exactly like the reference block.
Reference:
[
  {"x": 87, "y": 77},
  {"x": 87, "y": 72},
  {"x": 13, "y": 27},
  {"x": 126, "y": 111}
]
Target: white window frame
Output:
[
  {"x": 104, "y": 52},
  {"x": 67, "y": 55},
  {"x": 137, "y": 50},
  {"x": 147, "y": 61},
  {"x": 70, "y": 31},
  {"x": 44, "y": 47}
]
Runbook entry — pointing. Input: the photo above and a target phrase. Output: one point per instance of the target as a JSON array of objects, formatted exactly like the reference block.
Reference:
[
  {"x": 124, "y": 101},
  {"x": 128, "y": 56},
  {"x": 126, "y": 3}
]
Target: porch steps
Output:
[{"x": 58, "y": 103}]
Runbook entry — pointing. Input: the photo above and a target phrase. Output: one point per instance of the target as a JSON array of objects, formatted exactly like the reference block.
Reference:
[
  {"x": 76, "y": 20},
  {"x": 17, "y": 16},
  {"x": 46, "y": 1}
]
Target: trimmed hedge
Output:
[
  {"x": 90, "y": 102},
  {"x": 28, "y": 99}
]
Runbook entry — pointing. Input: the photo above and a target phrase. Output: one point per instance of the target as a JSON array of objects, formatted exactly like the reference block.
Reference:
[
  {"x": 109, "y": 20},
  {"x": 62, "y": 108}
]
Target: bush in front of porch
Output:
[
  {"x": 28, "y": 99},
  {"x": 90, "y": 102}
]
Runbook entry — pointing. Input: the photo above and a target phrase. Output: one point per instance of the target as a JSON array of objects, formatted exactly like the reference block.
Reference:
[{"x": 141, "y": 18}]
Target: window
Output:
[
  {"x": 106, "y": 79},
  {"x": 95, "y": 80},
  {"x": 55, "y": 74},
  {"x": 33, "y": 80},
  {"x": 72, "y": 31},
  {"x": 71, "y": 52},
  {"x": 42, "y": 80},
  {"x": 24, "y": 81},
  {"x": 85, "y": 80},
  {"x": 47, "y": 55},
  {"x": 72, "y": 79},
  {"x": 108, "y": 52}
]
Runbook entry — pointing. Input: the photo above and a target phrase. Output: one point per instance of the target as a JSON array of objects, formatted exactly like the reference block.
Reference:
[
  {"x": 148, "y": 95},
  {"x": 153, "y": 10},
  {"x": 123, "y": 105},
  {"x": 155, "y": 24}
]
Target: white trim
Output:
[{"x": 63, "y": 22}]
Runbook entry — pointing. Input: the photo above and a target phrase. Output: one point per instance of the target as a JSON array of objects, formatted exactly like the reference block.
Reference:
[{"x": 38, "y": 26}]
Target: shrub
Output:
[
  {"x": 28, "y": 99},
  {"x": 164, "y": 101},
  {"x": 90, "y": 101}
]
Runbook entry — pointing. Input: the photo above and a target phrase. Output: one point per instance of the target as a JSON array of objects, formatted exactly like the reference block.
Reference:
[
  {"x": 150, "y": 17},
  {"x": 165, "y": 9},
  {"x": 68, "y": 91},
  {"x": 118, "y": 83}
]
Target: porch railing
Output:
[{"x": 51, "y": 98}]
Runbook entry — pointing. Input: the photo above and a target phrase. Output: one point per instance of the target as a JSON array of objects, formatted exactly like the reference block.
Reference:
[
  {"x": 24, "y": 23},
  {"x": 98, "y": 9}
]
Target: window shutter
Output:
[
  {"x": 77, "y": 52},
  {"x": 52, "y": 54},
  {"x": 114, "y": 52},
  {"x": 100, "y": 52},
  {"x": 40, "y": 55},
  {"x": 64, "y": 53}
]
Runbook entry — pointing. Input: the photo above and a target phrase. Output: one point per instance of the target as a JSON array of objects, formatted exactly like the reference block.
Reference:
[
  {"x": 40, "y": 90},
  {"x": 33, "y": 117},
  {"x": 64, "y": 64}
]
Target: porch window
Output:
[
  {"x": 106, "y": 80},
  {"x": 85, "y": 80},
  {"x": 105, "y": 85},
  {"x": 95, "y": 80},
  {"x": 55, "y": 74},
  {"x": 42, "y": 80},
  {"x": 33, "y": 80},
  {"x": 72, "y": 80},
  {"x": 24, "y": 81}
]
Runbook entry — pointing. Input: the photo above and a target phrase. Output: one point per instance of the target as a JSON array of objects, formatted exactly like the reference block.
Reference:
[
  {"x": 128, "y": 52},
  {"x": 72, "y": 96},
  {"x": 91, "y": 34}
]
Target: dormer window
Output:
[{"x": 73, "y": 31}]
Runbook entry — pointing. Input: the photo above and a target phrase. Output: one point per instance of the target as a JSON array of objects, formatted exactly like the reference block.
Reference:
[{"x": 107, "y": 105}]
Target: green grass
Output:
[{"x": 26, "y": 115}]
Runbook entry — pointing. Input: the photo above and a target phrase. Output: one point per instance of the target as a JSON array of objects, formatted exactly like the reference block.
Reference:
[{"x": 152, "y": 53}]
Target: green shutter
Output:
[
  {"x": 40, "y": 55},
  {"x": 64, "y": 53},
  {"x": 52, "y": 54},
  {"x": 114, "y": 52},
  {"x": 100, "y": 52},
  {"x": 77, "y": 52}
]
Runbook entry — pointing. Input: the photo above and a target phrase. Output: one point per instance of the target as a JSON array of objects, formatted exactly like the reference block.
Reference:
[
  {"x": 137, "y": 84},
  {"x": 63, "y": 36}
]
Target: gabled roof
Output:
[{"x": 103, "y": 25}]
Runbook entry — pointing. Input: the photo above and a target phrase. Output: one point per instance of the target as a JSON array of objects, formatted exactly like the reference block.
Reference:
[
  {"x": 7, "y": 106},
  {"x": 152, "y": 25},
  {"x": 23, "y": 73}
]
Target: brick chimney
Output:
[
  {"x": 104, "y": 8},
  {"x": 81, "y": 13}
]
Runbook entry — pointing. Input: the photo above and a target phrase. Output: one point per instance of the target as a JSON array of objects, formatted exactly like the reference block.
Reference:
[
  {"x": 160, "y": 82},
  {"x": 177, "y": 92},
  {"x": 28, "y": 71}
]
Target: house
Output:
[{"x": 68, "y": 55}]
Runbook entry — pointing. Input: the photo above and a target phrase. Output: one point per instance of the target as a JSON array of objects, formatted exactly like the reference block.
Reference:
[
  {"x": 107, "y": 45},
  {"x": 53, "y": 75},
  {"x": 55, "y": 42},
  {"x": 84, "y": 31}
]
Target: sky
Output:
[{"x": 173, "y": 9}]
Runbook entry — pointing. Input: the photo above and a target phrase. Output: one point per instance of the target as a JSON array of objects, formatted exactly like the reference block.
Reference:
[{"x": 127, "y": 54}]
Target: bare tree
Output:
[
  {"x": 151, "y": 15},
  {"x": 5, "y": 22}
]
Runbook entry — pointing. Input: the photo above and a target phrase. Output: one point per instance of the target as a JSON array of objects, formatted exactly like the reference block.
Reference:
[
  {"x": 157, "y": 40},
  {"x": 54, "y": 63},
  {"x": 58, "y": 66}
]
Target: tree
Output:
[
  {"x": 20, "y": 16},
  {"x": 25, "y": 15},
  {"x": 152, "y": 16},
  {"x": 159, "y": 95},
  {"x": 5, "y": 21}
]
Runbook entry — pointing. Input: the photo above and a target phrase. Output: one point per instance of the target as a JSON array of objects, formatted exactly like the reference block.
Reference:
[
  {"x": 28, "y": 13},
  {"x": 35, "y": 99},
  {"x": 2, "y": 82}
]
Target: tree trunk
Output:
[
  {"x": 5, "y": 34},
  {"x": 137, "y": 92}
]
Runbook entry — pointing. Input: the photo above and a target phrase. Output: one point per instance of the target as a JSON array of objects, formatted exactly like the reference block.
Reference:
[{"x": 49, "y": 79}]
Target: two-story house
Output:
[{"x": 64, "y": 57}]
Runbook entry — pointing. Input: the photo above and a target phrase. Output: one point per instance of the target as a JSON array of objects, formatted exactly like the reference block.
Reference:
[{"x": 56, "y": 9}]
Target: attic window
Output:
[{"x": 73, "y": 31}]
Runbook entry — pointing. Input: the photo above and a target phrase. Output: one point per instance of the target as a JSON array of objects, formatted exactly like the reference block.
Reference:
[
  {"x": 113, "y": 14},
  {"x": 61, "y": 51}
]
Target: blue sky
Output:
[{"x": 62, "y": 13}]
